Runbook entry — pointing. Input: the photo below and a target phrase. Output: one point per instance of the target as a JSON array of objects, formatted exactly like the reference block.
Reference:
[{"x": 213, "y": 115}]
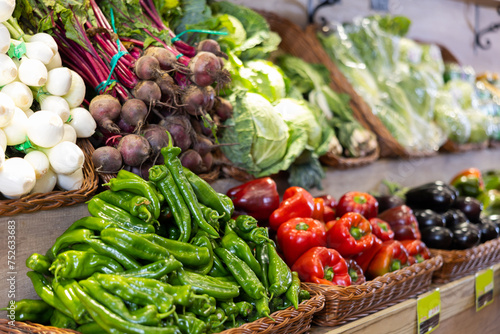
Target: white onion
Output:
[
  {"x": 3, "y": 141},
  {"x": 45, "y": 128},
  {"x": 72, "y": 181},
  {"x": 83, "y": 122},
  {"x": 16, "y": 130},
  {"x": 46, "y": 183},
  {"x": 4, "y": 39},
  {"x": 39, "y": 51},
  {"x": 58, "y": 81},
  {"x": 7, "y": 108},
  {"x": 19, "y": 93},
  {"x": 76, "y": 93},
  {"x": 55, "y": 104},
  {"x": 6, "y": 9},
  {"x": 65, "y": 158},
  {"x": 39, "y": 161},
  {"x": 55, "y": 62},
  {"x": 8, "y": 69},
  {"x": 44, "y": 38},
  {"x": 32, "y": 72},
  {"x": 69, "y": 133},
  {"x": 17, "y": 178}
]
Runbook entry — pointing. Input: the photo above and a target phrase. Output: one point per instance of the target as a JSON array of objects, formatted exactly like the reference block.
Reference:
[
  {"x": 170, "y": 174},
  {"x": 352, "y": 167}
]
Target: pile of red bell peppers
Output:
[{"x": 330, "y": 242}]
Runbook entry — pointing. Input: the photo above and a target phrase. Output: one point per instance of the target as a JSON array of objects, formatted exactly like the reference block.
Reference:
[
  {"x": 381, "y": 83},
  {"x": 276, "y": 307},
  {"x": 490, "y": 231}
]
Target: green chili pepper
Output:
[
  {"x": 211, "y": 216},
  {"x": 201, "y": 239},
  {"x": 125, "y": 174},
  {"x": 215, "y": 319},
  {"x": 188, "y": 323},
  {"x": 170, "y": 154},
  {"x": 188, "y": 254},
  {"x": 67, "y": 239},
  {"x": 183, "y": 295},
  {"x": 276, "y": 304},
  {"x": 218, "y": 269},
  {"x": 39, "y": 263},
  {"x": 164, "y": 181},
  {"x": 44, "y": 290},
  {"x": 209, "y": 197},
  {"x": 79, "y": 265},
  {"x": 238, "y": 247},
  {"x": 122, "y": 258},
  {"x": 262, "y": 255},
  {"x": 286, "y": 304},
  {"x": 202, "y": 309},
  {"x": 243, "y": 274},
  {"x": 61, "y": 320},
  {"x": 34, "y": 310},
  {"x": 134, "y": 204},
  {"x": 259, "y": 235},
  {"x": 205, "y": 284},
  {"x": 230, "y": 309},
  {"x": 173, "y": 232},
  {"x": 113, "y": 323},
  {"x": 147, "y": 315},
  {"x": 154, "y": 270},
  {"x": 92, "y": 223},
  {"x": 134, "y": 244},
  {"x": 280, "y": 276},
  {"x": 244, "y": 308},
  {"x": 80, "y": 247},
  {"x": 304, "y": 295},
  {"x": 98, "y": 208},
  {"x": 140, "y": 187},
  {"x": 262, "y": 307},
  {"x": 246, "y": 223},
  {"x": 91, "y": 328},
  {"x": 292, "y": 294},
  {"x": 64, "y": 290}
]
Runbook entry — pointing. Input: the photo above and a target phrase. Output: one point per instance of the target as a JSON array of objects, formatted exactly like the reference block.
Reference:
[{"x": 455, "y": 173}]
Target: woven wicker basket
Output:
[
  {"x": 460, "y": 263},
  {"x": 344, "y": 304},
  {"x": 453, "y": 147},
  {"x": 289, "y": 321},
  {"x": 347, "y": 163},
  {"x": 55, "y": 199}
]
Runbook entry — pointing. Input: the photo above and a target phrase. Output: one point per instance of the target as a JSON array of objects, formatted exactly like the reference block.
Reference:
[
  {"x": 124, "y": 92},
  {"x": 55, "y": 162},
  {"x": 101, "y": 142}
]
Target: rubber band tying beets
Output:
[
  {"x": 203, "y": 31},
  {"x": 178, "y": 56},
  {"x": 104, "y": 86}
]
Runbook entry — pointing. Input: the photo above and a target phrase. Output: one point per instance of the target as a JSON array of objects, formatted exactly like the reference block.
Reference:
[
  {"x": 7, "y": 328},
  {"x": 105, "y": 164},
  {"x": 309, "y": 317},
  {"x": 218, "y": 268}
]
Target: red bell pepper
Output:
[
  {"x": 298, "y": 235},
  {"x": 356, "y": 272},
  {"x": 297, "y": 202},
  {"x": 364, "y": 258},
  {"x": 350, "y": 235},
  {"x": 469, "y": 182},
  {"x": 391, "y": 257},
  {"x": 381, "y": 229},
  {"x": 417, "y": 251},
  {"x": 322, "y": 265},
  {"x": 319, "y": 209},
  {"x": 355, "y": 201},
  {"x": 403, "y": 222},
  {"x": 330, "y": 205},
  {"x": 328, "y": 214},
  {"x": 257, "y": 198},
  {"x": 329, "y": 201},
  {"x": 330, "y": 224}
]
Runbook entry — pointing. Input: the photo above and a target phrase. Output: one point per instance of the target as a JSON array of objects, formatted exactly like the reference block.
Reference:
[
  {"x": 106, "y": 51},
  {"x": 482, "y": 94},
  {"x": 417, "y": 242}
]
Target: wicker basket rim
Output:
[{"x": 467, "y": 253}]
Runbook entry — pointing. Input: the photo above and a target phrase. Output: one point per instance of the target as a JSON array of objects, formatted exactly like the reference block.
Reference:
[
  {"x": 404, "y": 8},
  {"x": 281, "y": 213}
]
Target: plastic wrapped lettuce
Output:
[
  {"x": 264, "y": 143},
  {"x": 451, "y": 118}
]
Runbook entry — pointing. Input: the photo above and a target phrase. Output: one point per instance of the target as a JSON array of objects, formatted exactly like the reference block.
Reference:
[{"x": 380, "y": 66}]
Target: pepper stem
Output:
[
  {"x": 353, "y": 274},
  {"x": 395, "y": 265},
  {"x": 302, "y": 226},
  {"x": 356, "y": 232},
  {"x": 329, "y": 274},
  {"x": 419, "y": 258},
  {"x": 383, "y": 227},
  {"x": 360, "y": 199}
]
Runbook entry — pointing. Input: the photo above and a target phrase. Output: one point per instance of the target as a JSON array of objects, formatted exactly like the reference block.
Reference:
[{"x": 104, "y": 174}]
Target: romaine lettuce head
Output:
[
  {"x": 298, "y": 114},
  {"x": 260, "y": 134}
]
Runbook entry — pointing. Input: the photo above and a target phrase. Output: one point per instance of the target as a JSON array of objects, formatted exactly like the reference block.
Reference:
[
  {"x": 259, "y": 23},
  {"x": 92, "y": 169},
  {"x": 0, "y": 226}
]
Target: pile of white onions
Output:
[{"x": 53, "y": 158}]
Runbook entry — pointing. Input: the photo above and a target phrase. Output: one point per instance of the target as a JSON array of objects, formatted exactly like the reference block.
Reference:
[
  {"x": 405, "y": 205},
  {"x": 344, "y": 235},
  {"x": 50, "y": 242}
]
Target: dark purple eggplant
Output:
[
  {"x": 437, "y": 237},
  {"x": 489, "y": 231},
  {"x": 386, "y": 202},
  {"x": 428, "y": 217},
  {"x": 454, "y": 217},
  {"x": 495, "y": 219},
  {"x": 466, "y": 235},
  {"x": 470, "y": 206},
  {"x": 436, "y": 196}
]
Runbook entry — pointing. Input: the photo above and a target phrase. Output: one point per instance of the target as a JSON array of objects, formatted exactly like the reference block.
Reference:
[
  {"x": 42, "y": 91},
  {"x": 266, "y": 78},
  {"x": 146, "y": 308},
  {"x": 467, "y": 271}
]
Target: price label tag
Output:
[
  {"x": 428, "y": 311},
  {"x": 484, "y": 288}
]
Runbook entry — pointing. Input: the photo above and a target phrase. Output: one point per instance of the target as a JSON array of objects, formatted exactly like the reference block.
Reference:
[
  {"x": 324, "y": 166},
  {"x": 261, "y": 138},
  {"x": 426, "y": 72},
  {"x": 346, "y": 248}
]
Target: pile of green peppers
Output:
[{"x": 159, "y": 256}]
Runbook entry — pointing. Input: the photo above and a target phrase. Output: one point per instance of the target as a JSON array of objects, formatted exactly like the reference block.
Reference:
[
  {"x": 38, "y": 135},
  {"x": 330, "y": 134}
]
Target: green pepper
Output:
[
  {"x": 244, "y": 308},
  {"x": 92, "y": 223},
  {"x": 262, "y": 255},
  {"x": 258, "y": 235},
  {"x": 98, "y": 208},
  {"x": 246, "y": 223},
  {"x": 91, "y": 328},
  {"x": 67, "y": 239},
  {"x": 205, "y": 284},
  {"x": 125, "y": 174},
  {"x": 201, "y": 307},
  {"x": 188, "y": 254},
  {"x": 39, "y": 263},
  {"x": 211, "y": 216},
  {"x": 238, "y": 247},
  {"x": 243, "y": 274},
  {"x": 147, "y": 315},
  {"x": 170, "y": 154},
  {"x": 230, "y": 309},
  {"x": 188, "y": 323},
  {"x": 164, "y": 181},
  {"x": 122, "y": 258},
  {"x": 173, "y": 232},
  {"x": 215, "y": 319},
  {"x": 304, "y": 295},
  {"x": 83, "y": 247},
  {"x": 113, "y": 323},
  {"x": 44, "y": 290},
  {"x": 140, "y": 295},
  {"x": 134, "y": 244},
  {"x": 183, "y": 295},
  {"x": 34, "y": 310},
  {"x": 262, "y": 307},
  {"x": 201, "y": 239},
  {"x": 292, "y": 294},
  {"x": 78, "y": 265},
  {"x": 218, "y": 269},
  {"x": 64, "y": 290},
  {"x": 208, "y": 196},
  {"x": 155, "y": 269},
  {"x": 280, "y": 276},
  {"x": 140, "y": 187},
  {"x": 61, "y": 320},
  {"x": 134, "y": 204}
]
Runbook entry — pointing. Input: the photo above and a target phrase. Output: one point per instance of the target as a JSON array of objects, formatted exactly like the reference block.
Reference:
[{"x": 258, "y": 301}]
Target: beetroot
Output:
[
  {"x": 107, "y": 159},
  {"x": 193, "y": 100},
  {"x": 211, "y": 45},
  {"x": 208, "y": 160},
  {"x": 147, "y": 91},
  {"x": 193, "y": 161},
  {"x": 208, "y": 97},
  {"x": 105, "y": 109},
  {"x": 166, "y": 59},
  {"x": 147, "y": 67},
  {"x": 167, "y": 86},
  {"x": 134, "y": 149},
  {"x": 125, "y": 127},
  {"x": 206, "y": 69},
  {"x": 156, "y": 136},
  {"x": 134, "y": 112},
  {"x": 223, "y": 108},
  {"x": 180, "y": 129}
]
